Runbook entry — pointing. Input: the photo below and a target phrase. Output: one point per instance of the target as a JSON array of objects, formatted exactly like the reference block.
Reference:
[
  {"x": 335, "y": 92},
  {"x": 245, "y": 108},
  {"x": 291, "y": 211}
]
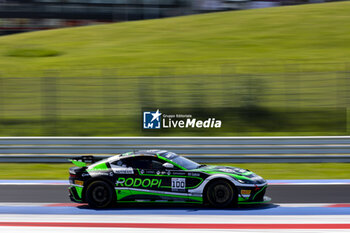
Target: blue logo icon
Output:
[{"x": 151, "y": 120}]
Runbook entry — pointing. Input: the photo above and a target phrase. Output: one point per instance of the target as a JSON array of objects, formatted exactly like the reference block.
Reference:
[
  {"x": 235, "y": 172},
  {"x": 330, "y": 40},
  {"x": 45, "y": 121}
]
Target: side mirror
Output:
[{"x": 168, "y": 166}]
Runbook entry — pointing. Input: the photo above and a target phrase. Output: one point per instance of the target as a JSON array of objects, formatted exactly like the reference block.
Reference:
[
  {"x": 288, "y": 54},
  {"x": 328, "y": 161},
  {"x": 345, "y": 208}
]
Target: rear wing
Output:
[{"x": 83, "y": 160}]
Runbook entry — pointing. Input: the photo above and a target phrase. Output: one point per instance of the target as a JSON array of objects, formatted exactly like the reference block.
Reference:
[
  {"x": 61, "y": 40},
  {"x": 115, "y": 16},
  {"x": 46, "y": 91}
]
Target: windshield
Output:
[
  {"x": 182, "y": 161},
  {"x": 186, "y": 163}
]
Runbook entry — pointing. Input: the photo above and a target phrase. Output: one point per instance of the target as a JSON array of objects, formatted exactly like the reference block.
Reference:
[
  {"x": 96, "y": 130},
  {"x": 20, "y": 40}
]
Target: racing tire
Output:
[
  {"x": 221, "y": 194},
  {"x": 100, "y": 194}
]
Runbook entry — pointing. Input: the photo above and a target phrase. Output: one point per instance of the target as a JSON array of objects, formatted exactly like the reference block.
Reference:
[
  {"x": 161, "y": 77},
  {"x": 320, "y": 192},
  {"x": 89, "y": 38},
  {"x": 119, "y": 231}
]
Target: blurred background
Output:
[
  {"x": 272, "y": 71},
  {"x": 29, "y": 15},
  {"x": 265, "y": 68}
]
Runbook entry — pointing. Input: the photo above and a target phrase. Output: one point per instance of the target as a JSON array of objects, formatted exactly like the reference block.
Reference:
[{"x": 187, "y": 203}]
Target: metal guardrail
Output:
[{"x": 201, "y": 149}]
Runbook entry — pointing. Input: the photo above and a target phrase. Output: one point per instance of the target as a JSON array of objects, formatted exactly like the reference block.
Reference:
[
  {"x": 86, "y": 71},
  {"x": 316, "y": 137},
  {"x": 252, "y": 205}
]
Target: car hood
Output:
[{"x": 235, "y": 172}]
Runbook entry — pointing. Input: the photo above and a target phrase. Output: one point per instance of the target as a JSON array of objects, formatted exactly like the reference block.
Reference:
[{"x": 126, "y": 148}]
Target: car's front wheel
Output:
[
  {"x": 221, "y": 194},
  {"x": 99, "y": 194}
]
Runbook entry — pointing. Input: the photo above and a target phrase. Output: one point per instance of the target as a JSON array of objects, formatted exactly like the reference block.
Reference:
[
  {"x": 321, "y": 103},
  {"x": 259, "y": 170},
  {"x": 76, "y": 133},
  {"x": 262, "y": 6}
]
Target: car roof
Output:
[
  {"x": 137, "y": 153},
  {"x": 150, "y": 152},
  {"x": 145, "y": 153}
]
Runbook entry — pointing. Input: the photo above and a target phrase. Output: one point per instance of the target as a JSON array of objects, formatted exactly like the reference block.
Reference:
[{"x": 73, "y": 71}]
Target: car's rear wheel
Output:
[
  {"x": 99, "y": 194},
  {"x": 221, "y": 194}
]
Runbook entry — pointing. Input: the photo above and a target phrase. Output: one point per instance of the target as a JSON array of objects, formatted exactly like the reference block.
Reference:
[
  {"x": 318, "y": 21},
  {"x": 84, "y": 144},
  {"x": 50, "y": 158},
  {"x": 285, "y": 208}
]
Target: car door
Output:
[
  {"x": 146, "y": 180},
  {"x": 152, "y": 180}
]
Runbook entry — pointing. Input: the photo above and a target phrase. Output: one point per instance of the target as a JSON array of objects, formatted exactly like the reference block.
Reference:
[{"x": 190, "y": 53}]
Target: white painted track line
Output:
[{"x": 139, "y": 230}]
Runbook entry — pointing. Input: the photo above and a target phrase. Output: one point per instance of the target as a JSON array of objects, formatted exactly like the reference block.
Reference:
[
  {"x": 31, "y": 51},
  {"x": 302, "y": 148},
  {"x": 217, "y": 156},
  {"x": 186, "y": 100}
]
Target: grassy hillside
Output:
[
  {"x": 317, "y": 32},
  {"x": 95, "y": 93}
]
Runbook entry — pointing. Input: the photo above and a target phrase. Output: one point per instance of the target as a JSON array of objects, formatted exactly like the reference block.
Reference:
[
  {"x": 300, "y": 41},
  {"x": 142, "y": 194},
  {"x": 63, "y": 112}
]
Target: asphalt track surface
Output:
[
  {"x": 298, "y": 206},
  {"x": 279, "y": 193}
]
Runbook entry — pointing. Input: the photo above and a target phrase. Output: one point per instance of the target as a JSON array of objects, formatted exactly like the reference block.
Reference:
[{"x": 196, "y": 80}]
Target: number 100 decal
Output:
[{"x": 178, "y": 183}]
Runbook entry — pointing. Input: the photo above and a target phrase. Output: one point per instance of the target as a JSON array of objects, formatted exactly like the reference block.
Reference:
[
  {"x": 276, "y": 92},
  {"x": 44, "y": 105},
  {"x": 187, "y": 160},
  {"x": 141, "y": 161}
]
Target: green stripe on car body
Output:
[
  {"x": 238, "y": 177},
  {"x": 254, "y": 202},
  {"x": 121, "y": 193},
  {"x": 79, "y": 190},
  {"x": 259, "y": 191},
  {"x": 241, "y": 199},
  {"x": 247, "y": 173},
  {"x": 168, "y": 201},
  {"x": 99, "y": 167},
  {"x": 169, "y": 161},
  {"x": 149, "y": 192},
  {"x": 71, "y": 188},
  {"x": 78, "y": 163}
]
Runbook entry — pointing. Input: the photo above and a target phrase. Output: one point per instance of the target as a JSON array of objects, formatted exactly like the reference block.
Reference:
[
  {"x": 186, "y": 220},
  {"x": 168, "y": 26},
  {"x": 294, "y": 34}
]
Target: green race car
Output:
[{"x": 161, "y": 176}]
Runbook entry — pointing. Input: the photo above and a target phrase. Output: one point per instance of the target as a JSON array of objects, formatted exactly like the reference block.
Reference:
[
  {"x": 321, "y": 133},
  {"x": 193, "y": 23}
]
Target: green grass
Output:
[
  {"x": 95, "y": 69},
  {"x": 317, "y": 32},
  {"x": 31, "y": 52},
  {"x": 35, "y": 171},
  {"x": 268, "y": 171}
]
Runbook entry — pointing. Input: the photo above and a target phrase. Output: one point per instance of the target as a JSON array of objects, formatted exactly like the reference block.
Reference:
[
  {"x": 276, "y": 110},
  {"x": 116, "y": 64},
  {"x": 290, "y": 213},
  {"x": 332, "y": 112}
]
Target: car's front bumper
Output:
[
  {"x": 265, "y": 200},
  {"x": 252, "y": 195},
  {"x": 73, "y": 194}
]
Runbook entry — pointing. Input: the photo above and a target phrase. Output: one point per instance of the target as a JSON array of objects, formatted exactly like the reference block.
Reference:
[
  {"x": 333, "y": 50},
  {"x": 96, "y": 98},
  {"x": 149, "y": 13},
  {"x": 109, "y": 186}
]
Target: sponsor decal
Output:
[
  {"x": 150, "y": 172},
  {"x": 193, "y": 174},
  {"x": 138, "y": 182},
  {"x": 93, "y": 174},
  {"x": 121, "y": 170},
  {"x": 79, "y": 182},
  {"x": 179, "y": 173},
  {"x": 245, "y": 192}
]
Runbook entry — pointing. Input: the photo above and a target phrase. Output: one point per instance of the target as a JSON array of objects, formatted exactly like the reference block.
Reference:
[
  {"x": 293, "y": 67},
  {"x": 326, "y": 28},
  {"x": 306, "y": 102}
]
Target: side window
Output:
[
  {"x": 138, "y": 162},
  {"x": 119, "y": 163},
  {"x": 157, "y": 165},
  {"x": 142, "y": 162}
]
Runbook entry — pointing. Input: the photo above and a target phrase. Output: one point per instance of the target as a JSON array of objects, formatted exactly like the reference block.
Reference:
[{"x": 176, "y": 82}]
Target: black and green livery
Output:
[{"x": 162, "y": 176}]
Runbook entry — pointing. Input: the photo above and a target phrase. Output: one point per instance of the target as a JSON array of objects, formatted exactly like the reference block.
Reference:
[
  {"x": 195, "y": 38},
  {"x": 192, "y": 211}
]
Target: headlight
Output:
[{"x": 246, "y": 181}]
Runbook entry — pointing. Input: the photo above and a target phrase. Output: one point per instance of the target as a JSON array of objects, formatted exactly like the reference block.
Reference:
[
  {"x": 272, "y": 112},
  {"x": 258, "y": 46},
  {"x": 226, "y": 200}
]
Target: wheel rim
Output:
[
  {"x": 100, "y": 194},
  {"x": 221, "y": 194}
]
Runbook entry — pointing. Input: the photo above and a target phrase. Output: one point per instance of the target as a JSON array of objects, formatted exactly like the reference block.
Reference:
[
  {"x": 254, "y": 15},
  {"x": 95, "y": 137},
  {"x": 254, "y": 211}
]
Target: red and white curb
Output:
[{"x": 204, "y": 222}]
